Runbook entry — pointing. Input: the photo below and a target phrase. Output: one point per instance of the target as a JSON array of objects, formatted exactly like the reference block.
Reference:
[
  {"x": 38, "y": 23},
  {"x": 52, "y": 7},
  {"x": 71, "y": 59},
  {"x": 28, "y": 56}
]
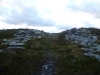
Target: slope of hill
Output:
[{"x": 23, "y": 51}]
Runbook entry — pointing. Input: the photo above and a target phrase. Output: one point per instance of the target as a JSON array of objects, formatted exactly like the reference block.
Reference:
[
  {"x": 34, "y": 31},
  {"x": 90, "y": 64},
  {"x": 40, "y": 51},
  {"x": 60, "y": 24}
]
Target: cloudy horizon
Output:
[{"x": 49, "y": 15}]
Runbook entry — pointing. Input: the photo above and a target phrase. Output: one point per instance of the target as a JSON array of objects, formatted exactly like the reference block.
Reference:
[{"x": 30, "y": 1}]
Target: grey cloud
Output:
[
  {"x": 29, "y": 15},
  {"x": 91, "y": 7}
]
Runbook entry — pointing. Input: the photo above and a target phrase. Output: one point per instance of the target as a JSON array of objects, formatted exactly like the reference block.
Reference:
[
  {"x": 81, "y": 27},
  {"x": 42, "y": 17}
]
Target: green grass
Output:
[
  {"x": 24, "y": 62},
  {"x": 6, "y": 34},
  {"x": 69, "y": 56},
  {"x": 71, "y": 60}
]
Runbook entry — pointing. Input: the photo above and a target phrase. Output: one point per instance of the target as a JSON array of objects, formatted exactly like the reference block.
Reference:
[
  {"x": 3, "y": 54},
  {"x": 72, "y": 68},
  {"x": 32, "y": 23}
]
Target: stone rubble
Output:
[
  {"x": 22, "y": 37},
  {"x": 17, "y": 47},
  {"x": 0, "y": 51},
  {"x": 84, "y": 38},
  {"x": 48, "y": 68}
]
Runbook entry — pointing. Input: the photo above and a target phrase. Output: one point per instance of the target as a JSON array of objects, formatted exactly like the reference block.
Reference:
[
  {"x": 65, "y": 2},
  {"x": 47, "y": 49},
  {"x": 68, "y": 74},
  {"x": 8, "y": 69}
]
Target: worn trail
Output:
[{"x": 48, "y": 65}]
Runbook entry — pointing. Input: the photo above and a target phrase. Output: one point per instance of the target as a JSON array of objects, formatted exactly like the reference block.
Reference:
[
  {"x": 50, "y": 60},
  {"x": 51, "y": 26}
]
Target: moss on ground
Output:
[
  {"x": 24, "y": 62},
  {"x": 69, "y": 56},
  {"x": 71, "y": 60}
]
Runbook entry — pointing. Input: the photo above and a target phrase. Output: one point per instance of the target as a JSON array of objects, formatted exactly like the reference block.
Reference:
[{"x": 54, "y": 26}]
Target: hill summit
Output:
[{"x": 34, "y": 52}]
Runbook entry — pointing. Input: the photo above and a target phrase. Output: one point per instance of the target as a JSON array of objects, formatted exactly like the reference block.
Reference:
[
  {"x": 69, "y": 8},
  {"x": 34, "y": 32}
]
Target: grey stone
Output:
[
  {"x": 1, "y": 51},
  {"x": 95, "y": 44},
  {"x": 45, "y": 66},
  {"x": 14, "y": 43},
  {"x": 73, "y": 30},
  {"x": 4, "y": 39},
  {"x": 97, "y": 48},
  {"x": 81, "y": 36},
  {"x": 39, "y": 37},
  {"x": 37, "y": 32},
  {"x": 94, "y": 38},
  {"x": 88, "y": 49},
  {"x": 84, "y": 42},
  {"x": 89, "y": 54},
  {"x": 15, "y": 47},
  {"x": 97, "y": 56},
  {"x": 25, "y": 40},
  {"x": 21, "y": 37},
  {"x": 85, "y": 38},
  {"x": 74, "y": 61}
]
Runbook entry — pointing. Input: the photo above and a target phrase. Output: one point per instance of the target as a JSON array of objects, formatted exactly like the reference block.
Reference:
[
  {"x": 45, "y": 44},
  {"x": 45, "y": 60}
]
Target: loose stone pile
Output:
[
  {"x": 84, "y": 37},
  {"x": 21, "y": 38}
]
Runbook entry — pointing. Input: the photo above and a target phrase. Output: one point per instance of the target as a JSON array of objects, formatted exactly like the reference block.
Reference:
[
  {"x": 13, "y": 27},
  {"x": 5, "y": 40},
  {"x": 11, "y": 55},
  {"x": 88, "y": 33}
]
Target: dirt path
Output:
[{"x": 48, "y": 66}]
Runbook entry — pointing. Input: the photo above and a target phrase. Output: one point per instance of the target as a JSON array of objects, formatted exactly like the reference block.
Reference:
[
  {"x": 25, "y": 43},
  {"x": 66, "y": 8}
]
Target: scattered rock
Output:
[
  {"x": 97, "y": 48},
  {"x": 22, "y": 37},
  {"x": 84, "y": 37},
  {"x": 15, "y": 47},
  {"x": 81, "y": 36},
  {"x": 89, "y": 54},
  {"x": 1, "y": 51},
  {"x": 13, "y": 43}
]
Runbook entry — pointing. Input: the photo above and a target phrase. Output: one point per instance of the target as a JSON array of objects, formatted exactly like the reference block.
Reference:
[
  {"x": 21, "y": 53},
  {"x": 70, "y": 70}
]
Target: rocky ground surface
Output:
[
  {"x": 84, "y": 38},
  {"x": 48, "y": 66},
  {"x": 20, "y": 38},
  {"x": 39, "y": 53}
]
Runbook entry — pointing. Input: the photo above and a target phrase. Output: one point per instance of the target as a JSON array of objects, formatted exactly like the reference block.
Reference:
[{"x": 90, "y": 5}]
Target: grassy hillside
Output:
[
  {"x": 8, "y": 33},
  {"x": 71, "y": 60},
  {"x": 69, "y": 56},
  {"x": 21, "y": 62}
]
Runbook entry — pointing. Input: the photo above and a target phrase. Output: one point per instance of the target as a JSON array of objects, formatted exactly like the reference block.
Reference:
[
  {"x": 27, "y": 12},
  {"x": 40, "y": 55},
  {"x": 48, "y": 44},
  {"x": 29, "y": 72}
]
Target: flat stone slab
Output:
[
  {"x": 1, "y": 51},
  {"x": 15, "y": 47}
]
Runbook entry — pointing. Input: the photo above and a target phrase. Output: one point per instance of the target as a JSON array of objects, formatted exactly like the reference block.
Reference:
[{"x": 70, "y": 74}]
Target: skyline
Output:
[{"x": 49, "y": 15}]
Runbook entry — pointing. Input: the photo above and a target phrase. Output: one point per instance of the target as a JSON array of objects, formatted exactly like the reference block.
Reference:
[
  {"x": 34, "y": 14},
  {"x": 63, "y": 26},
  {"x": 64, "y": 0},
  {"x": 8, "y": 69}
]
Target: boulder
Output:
[
  {"x": 15, "y": 43},
  {"x": 39, "y": 37},
  {"x": 91, "y": 49},
  {"x": 81, "y": 36},
  {"x": 1, "y": 51},
  {"x": 4, "y": 40},
  {"x": 84, "y": 37},
  {"x": 84, "y": 42},
  {"x": 89, "y": 54},
  {"x": 37, "y": 32},
  {"x": 15, "y": 47},
  {"x": 97, "y": 48},
  {"x": 97, "y": 56},
  {"x": 94, "y": 38},
  {"x": 73, "y": 30}
]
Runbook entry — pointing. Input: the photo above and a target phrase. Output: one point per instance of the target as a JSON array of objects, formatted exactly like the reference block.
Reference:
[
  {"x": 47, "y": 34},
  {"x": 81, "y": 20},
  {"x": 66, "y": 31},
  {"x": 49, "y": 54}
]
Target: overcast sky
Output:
[{"x": 49, "y": 15}]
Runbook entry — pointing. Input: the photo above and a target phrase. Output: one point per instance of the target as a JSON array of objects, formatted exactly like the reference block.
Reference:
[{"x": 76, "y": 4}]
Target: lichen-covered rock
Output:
[
  {"x": 97, "y": 48},
  {"x": 84, "y": 37},
  {"x": 81, "y": 36},
  {"x": 17, "y": 44},
  {"x": 22, "y": 37},
  {"x": 89, "y": 54},
  {"x": 1, "y": 51},
  {"x": 15, "y": 47}
]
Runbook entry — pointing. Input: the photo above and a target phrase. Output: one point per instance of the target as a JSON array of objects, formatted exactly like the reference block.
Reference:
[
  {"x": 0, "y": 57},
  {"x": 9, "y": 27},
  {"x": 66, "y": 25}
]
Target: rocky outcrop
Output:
[
  {"x": 84, "y": 38},
  {"x": 22, "y": 37},
  {"x": 81, "y": 36}
]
